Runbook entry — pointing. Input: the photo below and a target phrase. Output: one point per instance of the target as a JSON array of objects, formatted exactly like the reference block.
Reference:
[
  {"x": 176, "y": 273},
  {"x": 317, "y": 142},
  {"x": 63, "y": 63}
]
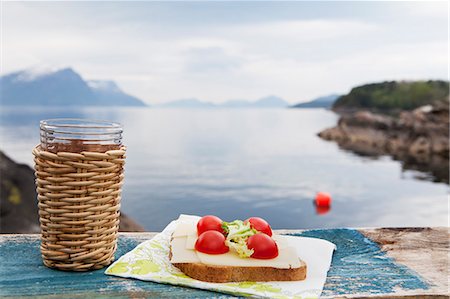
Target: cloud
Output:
[
  {"x": 432, "y": 9},
  {"x": 307, "y": 30},
  {"x": 160, "y": 52},
  {"x": 213, "y": 59}
]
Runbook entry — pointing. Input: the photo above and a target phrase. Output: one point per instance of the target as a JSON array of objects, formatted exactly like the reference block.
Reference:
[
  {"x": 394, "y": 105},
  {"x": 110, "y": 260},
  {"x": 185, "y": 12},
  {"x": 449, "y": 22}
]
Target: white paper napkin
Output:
[{"x": 149, "y": 261}]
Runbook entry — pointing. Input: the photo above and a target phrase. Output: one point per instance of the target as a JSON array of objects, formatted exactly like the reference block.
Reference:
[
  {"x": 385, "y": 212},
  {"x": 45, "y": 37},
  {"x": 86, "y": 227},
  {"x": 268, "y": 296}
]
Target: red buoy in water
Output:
[
  {"x": 322, "y": 210},
  {"x": 323, "y": 199}
]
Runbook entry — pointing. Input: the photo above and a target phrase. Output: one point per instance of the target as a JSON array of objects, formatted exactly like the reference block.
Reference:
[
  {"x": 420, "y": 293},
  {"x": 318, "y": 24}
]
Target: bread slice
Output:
[{"x": 211, "y": 273}]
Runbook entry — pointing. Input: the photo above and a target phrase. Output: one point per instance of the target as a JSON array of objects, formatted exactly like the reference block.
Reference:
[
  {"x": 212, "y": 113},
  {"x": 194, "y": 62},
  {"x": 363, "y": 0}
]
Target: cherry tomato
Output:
[
  {"x": 264, "y": 247},
  {"x": 323, "y": 199},
  {"x": 260, "y": 225},
  {"x": 211, "y": 242},
  {"x": 209, "y": 222}
]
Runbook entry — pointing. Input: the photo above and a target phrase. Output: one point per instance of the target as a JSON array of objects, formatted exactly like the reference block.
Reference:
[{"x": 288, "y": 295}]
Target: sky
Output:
[{"x": 217, "y": 51}]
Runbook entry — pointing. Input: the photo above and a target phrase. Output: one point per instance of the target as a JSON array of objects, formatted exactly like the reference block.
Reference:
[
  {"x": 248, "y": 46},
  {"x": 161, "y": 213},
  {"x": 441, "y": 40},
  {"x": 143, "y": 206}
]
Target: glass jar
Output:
[
  {"x": 79, "y": 135},
  {"x": 79, "y": 167}
]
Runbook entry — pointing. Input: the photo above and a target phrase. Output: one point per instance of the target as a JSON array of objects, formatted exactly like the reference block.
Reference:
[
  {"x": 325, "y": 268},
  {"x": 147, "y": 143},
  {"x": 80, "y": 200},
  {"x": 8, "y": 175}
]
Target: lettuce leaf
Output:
[{"x": 237, "y": 234}]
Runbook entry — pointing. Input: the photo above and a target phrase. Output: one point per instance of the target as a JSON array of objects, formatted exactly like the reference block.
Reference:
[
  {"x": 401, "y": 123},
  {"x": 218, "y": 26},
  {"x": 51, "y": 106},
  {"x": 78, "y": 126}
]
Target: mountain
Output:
[
  {"x": 321, "y": 102},
  {"x": 270, "y": 102},
  {"x": 188, "y": 103},
  {"x": 394, "y": 95},
  {"x": 62, "y": 87},
  {"x": 236, "y": 104},
  {"x": 266, "y": 102},
  {"x": 108, "y": 92}
]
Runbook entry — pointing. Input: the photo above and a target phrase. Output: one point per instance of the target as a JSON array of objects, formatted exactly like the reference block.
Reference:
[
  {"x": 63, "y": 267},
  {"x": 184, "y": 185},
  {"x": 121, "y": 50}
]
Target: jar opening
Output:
[
  {"x": 79, "y": 123},
  {"x": 76, "y": 135}
]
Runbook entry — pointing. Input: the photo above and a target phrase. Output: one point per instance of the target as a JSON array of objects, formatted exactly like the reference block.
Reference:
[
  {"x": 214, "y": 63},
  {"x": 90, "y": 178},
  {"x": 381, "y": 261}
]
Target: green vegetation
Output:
[
  {"x": 14, "y": 196},
  {"x": 394, "y": 95}
]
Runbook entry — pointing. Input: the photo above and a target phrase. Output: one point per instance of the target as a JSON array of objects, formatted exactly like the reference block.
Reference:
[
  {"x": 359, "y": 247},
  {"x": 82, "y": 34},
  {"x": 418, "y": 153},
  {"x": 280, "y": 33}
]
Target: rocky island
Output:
[
  {"x": 18, "y": 200},
  {"x": 406, "y": 120}
]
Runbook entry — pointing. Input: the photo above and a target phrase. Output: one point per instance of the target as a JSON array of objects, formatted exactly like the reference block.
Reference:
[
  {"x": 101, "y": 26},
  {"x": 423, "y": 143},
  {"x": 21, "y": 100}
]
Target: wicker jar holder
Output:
[{"x": 79, "y": 207}]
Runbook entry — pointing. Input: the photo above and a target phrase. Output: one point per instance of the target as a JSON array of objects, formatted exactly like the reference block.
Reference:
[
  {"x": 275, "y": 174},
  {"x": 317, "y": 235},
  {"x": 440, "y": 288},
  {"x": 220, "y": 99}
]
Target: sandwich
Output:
[{"x": 212, "y": 250}]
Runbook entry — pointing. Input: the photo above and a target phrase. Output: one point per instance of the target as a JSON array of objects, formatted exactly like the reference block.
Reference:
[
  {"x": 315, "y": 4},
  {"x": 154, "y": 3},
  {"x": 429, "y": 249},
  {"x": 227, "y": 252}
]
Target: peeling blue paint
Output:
[
  {"x": 22, "y": 273},
  {"x": 360, "y": 267}
]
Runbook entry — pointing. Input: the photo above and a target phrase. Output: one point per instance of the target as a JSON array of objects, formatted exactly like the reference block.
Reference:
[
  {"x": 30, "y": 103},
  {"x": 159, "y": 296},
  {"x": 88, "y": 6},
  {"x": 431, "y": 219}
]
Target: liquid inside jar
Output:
[{"x": 80, "y": 135}]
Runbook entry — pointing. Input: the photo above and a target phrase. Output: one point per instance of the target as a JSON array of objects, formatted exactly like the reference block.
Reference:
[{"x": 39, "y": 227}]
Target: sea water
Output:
[{"x": 237, "y": 163}]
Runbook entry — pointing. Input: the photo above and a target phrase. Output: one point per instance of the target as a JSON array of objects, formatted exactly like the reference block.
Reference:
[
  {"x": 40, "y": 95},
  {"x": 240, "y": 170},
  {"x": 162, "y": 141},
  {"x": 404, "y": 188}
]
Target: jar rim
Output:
[{"x": 79, "y": 123}]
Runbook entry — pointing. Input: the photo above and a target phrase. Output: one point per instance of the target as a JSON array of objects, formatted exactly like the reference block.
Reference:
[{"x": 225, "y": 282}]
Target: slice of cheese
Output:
[
  {"x": 185, "y": 228},
  {"x": 287, "y": 258},
  {"x": 281, "y": 241},
  {"x": 190, "y": 241},
  {"x": 189, "y": 217},
  {"x": 179, "y": 252}
]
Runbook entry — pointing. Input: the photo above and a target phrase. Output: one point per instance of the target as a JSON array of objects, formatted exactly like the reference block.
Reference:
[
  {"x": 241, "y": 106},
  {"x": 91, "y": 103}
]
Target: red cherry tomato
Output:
[
  {"x": 211, "y": 242},
  {"x": 264, "y": 247},
  {"x": 323, "y": 199},
  {"x": 209, "y": 222},
  {"x": 260, "y": 225}
]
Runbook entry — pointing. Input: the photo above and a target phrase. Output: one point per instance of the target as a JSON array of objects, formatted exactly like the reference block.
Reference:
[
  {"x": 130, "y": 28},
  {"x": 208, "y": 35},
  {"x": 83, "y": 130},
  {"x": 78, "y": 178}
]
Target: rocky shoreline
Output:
[
  {"x": 418, "y": 138},
  {"x": 18, "y": 200}
]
